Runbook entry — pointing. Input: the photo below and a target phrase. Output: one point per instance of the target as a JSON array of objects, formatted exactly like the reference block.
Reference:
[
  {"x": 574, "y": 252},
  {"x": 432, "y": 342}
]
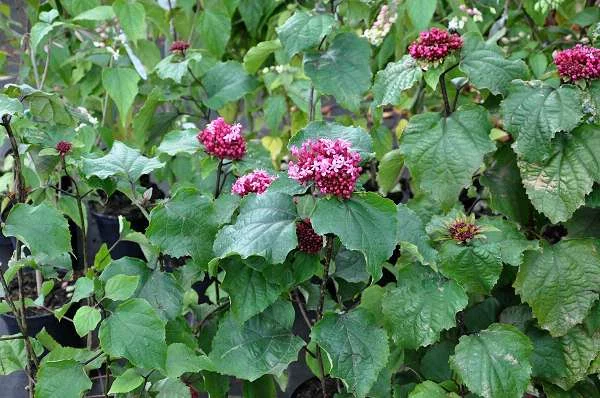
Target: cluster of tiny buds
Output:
[
  {"x": 179, "y": 46},
  {"x": 382, "y": 25},
  {"x": 434, "y": 45},
  {"x": 578, "y": 63},
  {"x": 223, "y": 140},
  {"x": 63, "y": 147},
  {"x": 279, "y": 69},
  {"x": 463, "y": 229},
  {"x": 308, "y": 240},
  {"x": 256, "y": 182},
  {"x": 330, "y": 164},
  {"x": 472, "y": 12}
]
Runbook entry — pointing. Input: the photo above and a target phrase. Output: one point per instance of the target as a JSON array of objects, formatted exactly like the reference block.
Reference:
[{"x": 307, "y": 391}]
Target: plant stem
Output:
[
  {"x": 6, "y": 338},
  {"x": 36, "y": 74},
  {"x": 447, "y": 109},
  {"x": 311, "y": 103},
  {"x": 296, "y": 297},
  {"x": 218, "y": 182},
  {"x": 323, "y": 291},
  {"x": 46, "y": 65}
]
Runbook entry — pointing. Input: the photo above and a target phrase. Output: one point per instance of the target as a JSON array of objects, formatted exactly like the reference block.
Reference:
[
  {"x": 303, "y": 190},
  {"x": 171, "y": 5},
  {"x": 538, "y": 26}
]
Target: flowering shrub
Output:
[{"x": 330, "y": 198}]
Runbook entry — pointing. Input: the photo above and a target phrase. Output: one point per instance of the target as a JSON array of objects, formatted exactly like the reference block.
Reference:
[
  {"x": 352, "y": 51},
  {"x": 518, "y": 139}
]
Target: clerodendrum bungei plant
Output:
[{"x": 399, "y": 197}]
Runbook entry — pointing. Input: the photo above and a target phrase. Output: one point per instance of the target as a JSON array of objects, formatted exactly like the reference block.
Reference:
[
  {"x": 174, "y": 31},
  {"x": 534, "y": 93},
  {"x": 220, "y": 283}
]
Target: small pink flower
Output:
[
  {"x": 179, "y": 46},
  {"x": 435, "y": 45},
  {"x": 308, "y": 240},
  {"x": 223, "y": 140},
  {"x": 577, "y": 63},
  {"x": 330, "y": 164},
  {"x": 63, "y": 147},
  {"x": 256, "y": 182}
]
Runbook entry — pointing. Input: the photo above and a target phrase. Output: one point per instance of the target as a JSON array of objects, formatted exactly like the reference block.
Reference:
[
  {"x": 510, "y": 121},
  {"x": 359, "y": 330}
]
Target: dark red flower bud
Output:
[
  {"x": 308, "y": 240},
  {"x": 63, "y": 147},
  {"x": 179, "y": 46},
  {"x": 462, "y": 230}
]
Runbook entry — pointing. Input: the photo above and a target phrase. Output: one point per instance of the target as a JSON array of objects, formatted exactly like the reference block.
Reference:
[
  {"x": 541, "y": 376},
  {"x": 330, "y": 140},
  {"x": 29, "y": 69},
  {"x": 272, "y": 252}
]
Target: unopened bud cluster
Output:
[
  {"x": 434, "y": 45},
  {"x": 223, "y": 140},
  {"x": 256, "y": 182},
  {"x": 308, "y": 240},
  {"x": 382, "y": 25},
  {"x": 578, "y": 63}
]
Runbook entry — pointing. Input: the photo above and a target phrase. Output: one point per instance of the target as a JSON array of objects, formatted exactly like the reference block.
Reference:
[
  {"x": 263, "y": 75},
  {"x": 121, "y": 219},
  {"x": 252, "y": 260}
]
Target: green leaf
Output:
[
  {"x": 258, "y": 54},
  {"x": 511, "y": 241},
  {"x": 100, "y": 13},
  {"x": 175, "y": 68},
  {"x": 266, "y": 227},
  {"x": 558, "y": 186},
  {"x": 565, "y": 360},
  {"x": 421, "y": 306},
  {"x": 394, "y": 79},
  {"x": 262, "y": 345},
  {"x": 365, "y": 223},
  {"x": 343, "y": 70},
  {"x": 214, "y": 27},
  {"x": 410, "y": 230},
  {"x": 121, "y": 84},
  {"x": 164, "y": 293},
  {"x": 585, "y": 389},
  {"x": 84, "y": 288},
  {"x": 486, "y": 67},
  {"x": 388, "y": 173},
  {"x": 420, "y": 12},
  {"x": 9, "y": 106},
  {"x": 361, "y": 140},
  {"x": 350, "y": 266},
  {"x": 226, "y": 82},
  {"x": 495, "y": 362},
  {"x": 250, "y": 291},
  {"x": 254, "y": 13},
  {"x": 61, "y": 379},
  {"x": 180, "y": 141},
  {"x": 121, "y": 287},
  {"x": 560, "y": 283},
  {"x": 86, "y": 319},
  {"x": 429, "y": 389},
  {"x": 182, "y": 359},
  {"x": 121, "y": 161},
  {"x": 13, "y": 356},
  {"x": 186, "y": 225},
  {"x": 261, "y": 388},
  {"x": 535, "y": 111},
  {"x": 132, "y": 17},
  {"x": 357, "y": 347},
  {"x": 44, "y": 230},
  {"x": 476, "y": 267},
  {"x": 503, "y": 179},
  {"x": 126, "y": 382},
  {"x": 443, "y": 153},
  {"x": 304, "y": 30},
  {"x": 135, "y": 331}
]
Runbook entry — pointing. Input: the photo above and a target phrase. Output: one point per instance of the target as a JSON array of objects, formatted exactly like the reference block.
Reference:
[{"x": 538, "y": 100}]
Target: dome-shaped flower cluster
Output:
[
  {"x": 179, "y": 46},
  {"x": 223, "y": 140},
  {"x": 382, "y": 25},
  {"x": 308, "y": 240},
  {"x": 330, "y": 164},
  {"x": 435, "y": 45},
  {"x": 463, "y": 229},
  {"x": 63, "y": 147},
  {"x": 579, "y": 62},
  {"x": 256, "y": 182}
]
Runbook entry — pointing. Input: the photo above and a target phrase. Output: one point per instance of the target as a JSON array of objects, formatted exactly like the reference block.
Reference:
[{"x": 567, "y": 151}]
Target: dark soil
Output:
[
  {"x": 312, "y": 389},
  {"x": 56, "y": 299}
]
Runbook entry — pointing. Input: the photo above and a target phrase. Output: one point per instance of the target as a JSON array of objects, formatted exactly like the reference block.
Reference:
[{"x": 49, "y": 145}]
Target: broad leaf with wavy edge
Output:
[
  {"x": 421, "y": 306},
  {"x": 262, "y": 345},
  {"x": 304, "y": 30},
  {"x": 495, "y": 362},
  {"x": 535, "y": 111},
  {"x": 560, "y": 283},
  {"x": 394, "y": 79},
  {"x": 442, "y": 153},
  {"x": 558, "y": 186},
  {"x": 358, "y": 348}
]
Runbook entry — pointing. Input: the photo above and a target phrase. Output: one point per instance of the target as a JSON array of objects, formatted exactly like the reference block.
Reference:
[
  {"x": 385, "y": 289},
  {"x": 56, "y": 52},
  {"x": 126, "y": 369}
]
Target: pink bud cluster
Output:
[
  {"x": 330, "y": 164},
  {"x": 434, "y": 45},
  {"x": 179, "y": 46},
  {"x": 63, "y": 147},
  {"x": 577, "y": 63},
  {"x": 256, "y": 182},
  {"x": 223, "y": 140},
  {"x": 382, "y": 25},
  {"x": 308, "y": 240}
]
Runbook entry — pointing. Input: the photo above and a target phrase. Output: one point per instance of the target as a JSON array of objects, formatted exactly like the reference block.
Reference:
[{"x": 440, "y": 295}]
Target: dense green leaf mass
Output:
[
  {"x": 560, "y": 283},
  {"x": 442, "y": 153},
  {"x": 495, "y": 362},
  {"x": 358, "y": 348}
]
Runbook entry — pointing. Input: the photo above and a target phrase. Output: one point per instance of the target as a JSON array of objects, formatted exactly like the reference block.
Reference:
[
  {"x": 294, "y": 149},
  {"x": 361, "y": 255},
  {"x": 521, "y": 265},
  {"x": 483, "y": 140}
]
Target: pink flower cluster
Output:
[
  {"x": 434, "y": 45},
  {"x": 223, "y": 140},
  {"x": 579, "y": 62},
  {"x": 332, "y": 166},
  {"x": 256, "y": 182},
  {"x": 308, "y": 240}
]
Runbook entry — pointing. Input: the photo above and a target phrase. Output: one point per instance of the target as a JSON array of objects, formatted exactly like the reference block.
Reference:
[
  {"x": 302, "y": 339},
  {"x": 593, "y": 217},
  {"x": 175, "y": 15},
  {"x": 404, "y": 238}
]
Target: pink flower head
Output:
[
  {"x": 434, "y": 45},
  {"x": 256, "y": 182},
  {"x": 179, "y": 46},
  {"x": 579, "y": 62},
  {"x": 223, "y": 140},
  {"x": 308, "y": 240},
  {"x": 330, "y": 164},
  {"x": 63, "y": 147}
]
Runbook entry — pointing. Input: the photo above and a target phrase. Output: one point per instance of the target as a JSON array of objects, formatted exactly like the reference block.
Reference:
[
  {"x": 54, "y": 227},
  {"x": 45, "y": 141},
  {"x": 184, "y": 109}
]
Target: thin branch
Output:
[
  {"x": 458, "y": 90},
  {"x": 7, "y": 338},
  {"x": 323, "y": 290},
  {"x": 296, "y": 297},
  {"x": 447, "y": 109},
  {"x": 213, "y": 312},
  {"x": 46, "y": 65},
  {"x": 92, "y": 359}
]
